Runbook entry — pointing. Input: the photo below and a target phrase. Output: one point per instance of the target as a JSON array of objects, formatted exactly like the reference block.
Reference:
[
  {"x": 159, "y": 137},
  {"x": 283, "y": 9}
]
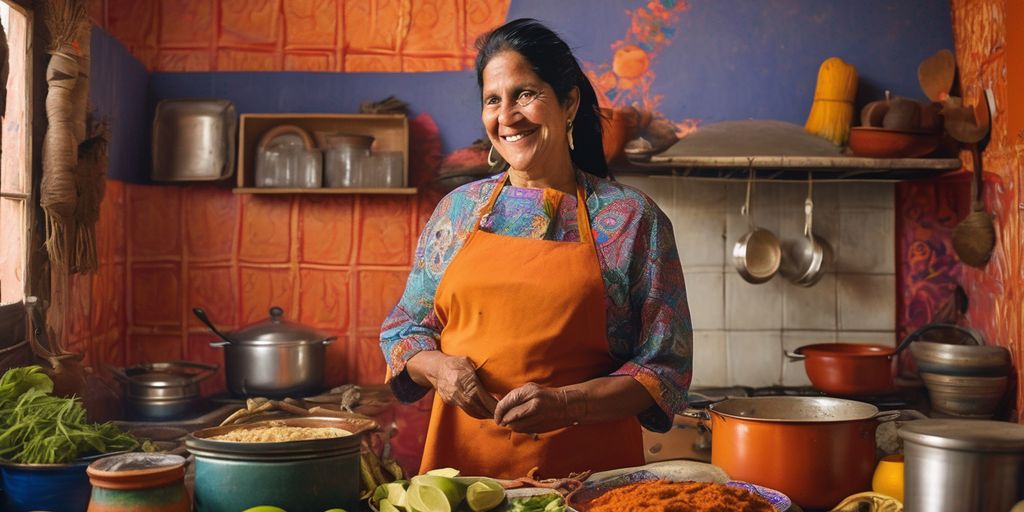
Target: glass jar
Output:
[
  {"x": 139, "y": 481},
  {"x": 345, "y": 159}
]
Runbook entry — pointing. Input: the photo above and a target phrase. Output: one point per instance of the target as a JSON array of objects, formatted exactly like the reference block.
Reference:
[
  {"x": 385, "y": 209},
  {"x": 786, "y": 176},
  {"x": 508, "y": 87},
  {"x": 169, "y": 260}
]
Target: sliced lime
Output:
[
  {"x": 445, "y": 472},
  {"x": 425, "y": 498},
  {"x": 386, "y": 506},
  {"x": 484, "y": 495}
]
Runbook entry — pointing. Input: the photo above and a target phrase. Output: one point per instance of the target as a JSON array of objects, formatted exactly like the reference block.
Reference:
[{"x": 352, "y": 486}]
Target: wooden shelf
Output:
[
  {"x": 276, "y": 190},
  {"x": 793, "y": 168},
  {"x": 390, "y": 133}
]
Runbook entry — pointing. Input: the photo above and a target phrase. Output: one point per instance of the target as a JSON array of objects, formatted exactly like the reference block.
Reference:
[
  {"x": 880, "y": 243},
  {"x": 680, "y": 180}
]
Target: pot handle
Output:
[
  {"x": 328, "y": 340},
  {"x": 972, "y": 334},
  {"x": 219, "y": 344},
  {"x": 118, "y": 373},
  {"x": 702, "y": 416},
  {"x": 899, "y": 415},
  {"x": 794, "y": 355},
  {"x": 205, "y": 370}
]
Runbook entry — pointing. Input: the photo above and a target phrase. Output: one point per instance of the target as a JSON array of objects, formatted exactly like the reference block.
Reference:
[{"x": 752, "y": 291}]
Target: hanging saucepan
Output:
[
  {"x": 272, "y": 358},
  {"x": 807, "y": 258},
  {"x": 816, "y": 450},
  {"x": 162, "y": 391},
  {"x": 853, "y": 369},
  {"x": 757, "y": 253}
]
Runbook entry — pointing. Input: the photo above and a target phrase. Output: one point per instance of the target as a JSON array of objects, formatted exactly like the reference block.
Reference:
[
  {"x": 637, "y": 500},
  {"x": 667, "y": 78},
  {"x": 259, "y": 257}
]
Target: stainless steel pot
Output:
[
  {"x": 273, "y": 358},
  {"x": 162, "y": 391},
  {"x": 975, "y": 465}
]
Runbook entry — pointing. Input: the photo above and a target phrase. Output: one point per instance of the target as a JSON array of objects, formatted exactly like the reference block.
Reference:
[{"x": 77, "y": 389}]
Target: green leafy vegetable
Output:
[{"x": 38, "y": 428}]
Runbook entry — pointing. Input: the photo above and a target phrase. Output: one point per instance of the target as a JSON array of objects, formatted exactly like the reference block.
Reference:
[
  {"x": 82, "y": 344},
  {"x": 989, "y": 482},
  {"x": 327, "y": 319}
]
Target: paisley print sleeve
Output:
[
  {"x": 654, "y": 315},
  {"x": 412, "y": 326}
]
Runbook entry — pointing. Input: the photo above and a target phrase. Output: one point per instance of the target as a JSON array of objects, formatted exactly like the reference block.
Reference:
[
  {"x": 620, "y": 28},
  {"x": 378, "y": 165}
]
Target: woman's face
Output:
[{"x": 522, "y": 116}]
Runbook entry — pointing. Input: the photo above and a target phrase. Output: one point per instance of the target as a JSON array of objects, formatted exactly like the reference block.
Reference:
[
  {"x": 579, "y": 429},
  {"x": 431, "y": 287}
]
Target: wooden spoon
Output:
[{"x": 975, "y": 236}]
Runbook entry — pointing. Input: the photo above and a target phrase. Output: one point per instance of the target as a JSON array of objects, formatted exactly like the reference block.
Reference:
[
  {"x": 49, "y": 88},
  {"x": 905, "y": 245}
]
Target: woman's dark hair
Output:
[{"x": 553, "y": 61}]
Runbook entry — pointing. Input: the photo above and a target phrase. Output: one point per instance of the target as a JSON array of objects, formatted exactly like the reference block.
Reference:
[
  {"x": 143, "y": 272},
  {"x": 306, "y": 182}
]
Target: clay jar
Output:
[{"x": 154, "y": 482}]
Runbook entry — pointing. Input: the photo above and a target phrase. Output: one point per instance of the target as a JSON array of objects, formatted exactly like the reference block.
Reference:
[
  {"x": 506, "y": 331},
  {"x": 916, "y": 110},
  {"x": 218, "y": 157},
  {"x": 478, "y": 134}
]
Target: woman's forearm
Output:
[
  {"x": 606, "y": 399},
  {"x": 422, "y": 367}
]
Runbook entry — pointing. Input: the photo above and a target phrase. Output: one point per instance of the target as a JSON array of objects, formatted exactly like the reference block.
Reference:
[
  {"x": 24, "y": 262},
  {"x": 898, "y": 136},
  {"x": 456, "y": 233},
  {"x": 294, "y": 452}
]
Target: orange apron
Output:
[{"x": 526, "y": 310}]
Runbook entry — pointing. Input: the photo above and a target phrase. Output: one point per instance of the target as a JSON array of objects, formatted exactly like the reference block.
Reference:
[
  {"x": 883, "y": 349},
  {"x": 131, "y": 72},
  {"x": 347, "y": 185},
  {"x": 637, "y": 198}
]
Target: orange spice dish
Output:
[{"x": 665, "y": 496}]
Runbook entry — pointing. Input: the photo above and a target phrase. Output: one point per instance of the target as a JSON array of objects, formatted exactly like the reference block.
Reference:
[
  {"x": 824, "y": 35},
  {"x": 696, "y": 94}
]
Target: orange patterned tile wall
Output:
[
  {"x": 300, "y": 35},
  {"x": 338, "y": 263}
]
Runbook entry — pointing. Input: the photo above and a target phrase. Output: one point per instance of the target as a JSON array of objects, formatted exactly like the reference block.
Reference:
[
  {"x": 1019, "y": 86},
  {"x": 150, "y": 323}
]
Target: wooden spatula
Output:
[{"x": 936, "y": 75}]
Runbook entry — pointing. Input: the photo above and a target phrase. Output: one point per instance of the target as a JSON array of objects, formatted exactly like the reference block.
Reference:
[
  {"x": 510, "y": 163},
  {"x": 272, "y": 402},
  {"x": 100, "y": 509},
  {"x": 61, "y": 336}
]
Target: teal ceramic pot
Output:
[
  {"x": 316, "y": 474},
  {"x": 50, "y": 487}
]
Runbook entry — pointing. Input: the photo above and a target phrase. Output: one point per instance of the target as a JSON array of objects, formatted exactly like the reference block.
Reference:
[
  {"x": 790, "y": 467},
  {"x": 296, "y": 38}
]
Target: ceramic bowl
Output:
[
  {"x": 592, "y": 490},
  {"x": 883, "y": 143}
]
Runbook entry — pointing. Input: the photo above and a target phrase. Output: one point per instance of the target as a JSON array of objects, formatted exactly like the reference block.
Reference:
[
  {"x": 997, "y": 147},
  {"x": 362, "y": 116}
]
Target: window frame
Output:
[{"x": 12, "y": 316}]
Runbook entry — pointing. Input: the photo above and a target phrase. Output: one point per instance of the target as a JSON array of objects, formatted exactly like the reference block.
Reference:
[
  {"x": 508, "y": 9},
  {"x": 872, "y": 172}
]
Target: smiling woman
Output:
[{"x": 546, "y": 305}]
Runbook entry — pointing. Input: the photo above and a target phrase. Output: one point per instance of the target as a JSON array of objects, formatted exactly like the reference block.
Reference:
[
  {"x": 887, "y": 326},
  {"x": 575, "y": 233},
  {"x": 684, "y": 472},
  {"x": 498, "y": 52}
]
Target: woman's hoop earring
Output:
[
  {"x": 568, "y": 132},
  {"x": 490, "y": 157}
]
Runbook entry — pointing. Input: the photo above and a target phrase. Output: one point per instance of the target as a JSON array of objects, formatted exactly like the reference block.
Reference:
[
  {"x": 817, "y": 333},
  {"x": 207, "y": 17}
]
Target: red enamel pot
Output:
[{"x": 853, "y": 369}]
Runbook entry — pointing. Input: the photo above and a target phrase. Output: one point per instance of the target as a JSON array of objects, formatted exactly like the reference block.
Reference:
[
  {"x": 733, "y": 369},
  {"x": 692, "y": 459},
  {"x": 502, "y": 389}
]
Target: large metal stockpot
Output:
[
  {"x": 816, "y": 450},
  {"x": 274, "y": 358},
  {"x": 975, "y": 465}
]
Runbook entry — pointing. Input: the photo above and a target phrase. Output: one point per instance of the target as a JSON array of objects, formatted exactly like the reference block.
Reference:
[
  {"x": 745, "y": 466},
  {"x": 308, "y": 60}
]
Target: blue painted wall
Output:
[
  {"x": 117, "y": 92},
  {"x": 729, "y": 59},
  {"x": 759, "y": 59}
]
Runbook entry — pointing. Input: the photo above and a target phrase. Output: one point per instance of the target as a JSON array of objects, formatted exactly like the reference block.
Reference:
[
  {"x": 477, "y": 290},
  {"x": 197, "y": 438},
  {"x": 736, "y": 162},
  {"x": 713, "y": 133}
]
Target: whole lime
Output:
[{"x": 265, "y": 508}]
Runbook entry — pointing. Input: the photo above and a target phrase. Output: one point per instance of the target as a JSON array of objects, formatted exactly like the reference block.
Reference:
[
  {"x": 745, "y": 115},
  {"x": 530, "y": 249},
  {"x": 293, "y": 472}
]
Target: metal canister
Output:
[{"x": 955, "y": 464}]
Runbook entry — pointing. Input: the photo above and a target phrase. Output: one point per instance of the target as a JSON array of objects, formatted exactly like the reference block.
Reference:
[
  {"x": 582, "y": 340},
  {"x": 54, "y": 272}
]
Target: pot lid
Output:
[
  {"x": 973, "y": 435},
  {"x": 276, "y": 330}
]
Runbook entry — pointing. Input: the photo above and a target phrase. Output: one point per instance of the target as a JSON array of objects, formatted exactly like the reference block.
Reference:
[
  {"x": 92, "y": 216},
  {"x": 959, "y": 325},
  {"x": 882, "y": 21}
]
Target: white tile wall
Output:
[
  {"x": 709, "y": 356},
  {"x": 755, "y": 357},
  {"x": 740, "y": 329}
]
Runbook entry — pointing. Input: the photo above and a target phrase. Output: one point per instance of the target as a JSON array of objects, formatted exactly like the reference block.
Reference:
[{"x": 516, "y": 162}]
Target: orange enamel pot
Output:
[
  {"x": 847, "y": 369},
  {"x": 816, "y": 450}
]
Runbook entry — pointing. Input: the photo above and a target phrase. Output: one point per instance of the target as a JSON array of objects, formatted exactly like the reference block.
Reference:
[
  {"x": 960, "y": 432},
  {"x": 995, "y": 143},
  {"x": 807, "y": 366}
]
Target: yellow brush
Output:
[{"x": 832, "y": 111}]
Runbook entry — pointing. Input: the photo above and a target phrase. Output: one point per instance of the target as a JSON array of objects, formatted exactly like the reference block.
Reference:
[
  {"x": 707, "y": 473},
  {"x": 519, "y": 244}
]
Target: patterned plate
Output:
[{"x": 593, "y": 490}]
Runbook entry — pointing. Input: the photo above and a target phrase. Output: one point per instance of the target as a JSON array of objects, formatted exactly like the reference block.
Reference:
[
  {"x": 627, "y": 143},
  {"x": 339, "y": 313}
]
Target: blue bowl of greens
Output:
[
  {"x": 46, "y": 443},
  {"x": 51, "y": 487}
]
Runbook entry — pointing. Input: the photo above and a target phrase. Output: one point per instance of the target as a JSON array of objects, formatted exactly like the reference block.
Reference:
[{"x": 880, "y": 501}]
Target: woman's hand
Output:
[
  {"x": 531, "y": 409},
  {"x": 454, "y": 378}
]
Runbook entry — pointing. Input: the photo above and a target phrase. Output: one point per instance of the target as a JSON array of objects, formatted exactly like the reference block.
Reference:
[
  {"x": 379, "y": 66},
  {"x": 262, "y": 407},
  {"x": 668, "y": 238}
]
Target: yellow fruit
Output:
[{"x": 265, "y": 508}]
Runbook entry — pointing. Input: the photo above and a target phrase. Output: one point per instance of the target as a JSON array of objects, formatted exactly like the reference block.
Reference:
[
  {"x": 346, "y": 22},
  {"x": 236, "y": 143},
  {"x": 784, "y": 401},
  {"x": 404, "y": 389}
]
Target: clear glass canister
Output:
[
  {"x": 139, "y": 481},
  {"x": 345, "y": 159}
]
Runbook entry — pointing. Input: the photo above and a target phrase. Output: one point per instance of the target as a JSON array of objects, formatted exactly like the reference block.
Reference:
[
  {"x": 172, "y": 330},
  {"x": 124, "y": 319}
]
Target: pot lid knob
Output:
[{"x": 277, "y": 329}]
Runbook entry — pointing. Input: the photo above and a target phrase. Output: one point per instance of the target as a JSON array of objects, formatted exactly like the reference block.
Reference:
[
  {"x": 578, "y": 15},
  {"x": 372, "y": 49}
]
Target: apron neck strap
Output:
[{"x": 582, "y": 219}]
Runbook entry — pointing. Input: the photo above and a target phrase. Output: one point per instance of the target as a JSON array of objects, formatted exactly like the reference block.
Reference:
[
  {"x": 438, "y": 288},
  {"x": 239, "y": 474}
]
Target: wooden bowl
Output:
[{"x": 884, "y": 143}]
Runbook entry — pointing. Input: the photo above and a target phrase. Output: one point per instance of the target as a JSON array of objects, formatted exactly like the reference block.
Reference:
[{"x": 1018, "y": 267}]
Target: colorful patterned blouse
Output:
[{"x": 647, "y": 314}]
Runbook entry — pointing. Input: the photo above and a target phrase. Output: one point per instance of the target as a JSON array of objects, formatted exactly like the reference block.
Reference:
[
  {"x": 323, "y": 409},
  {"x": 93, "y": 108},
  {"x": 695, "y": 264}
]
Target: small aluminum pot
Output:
[
  {"x": 816, "y": 450},
  {"x": 162, "y": 391},
  {"x": 963, "y": 465},
  {"x": 275, "y": 358}
]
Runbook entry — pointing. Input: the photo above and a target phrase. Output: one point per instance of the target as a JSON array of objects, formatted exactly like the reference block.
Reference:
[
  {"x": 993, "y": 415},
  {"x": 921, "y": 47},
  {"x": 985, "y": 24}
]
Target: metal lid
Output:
[
  {"x": 974, "y": 435},
  {"x": 276, "y": 330},
  {"x": 159, "y": 379}
]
